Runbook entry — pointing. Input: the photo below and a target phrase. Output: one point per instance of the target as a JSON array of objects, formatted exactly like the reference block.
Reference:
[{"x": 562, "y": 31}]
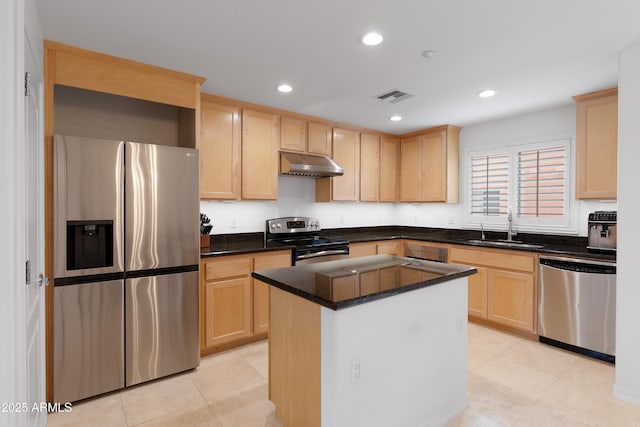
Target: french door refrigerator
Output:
[{"x": 126, "y": 253}]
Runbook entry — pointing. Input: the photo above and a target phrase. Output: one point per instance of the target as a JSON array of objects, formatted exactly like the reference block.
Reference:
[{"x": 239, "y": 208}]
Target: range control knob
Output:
[
  {"x": 273, "y": 226},
  {"x": 279, "y": 226}
]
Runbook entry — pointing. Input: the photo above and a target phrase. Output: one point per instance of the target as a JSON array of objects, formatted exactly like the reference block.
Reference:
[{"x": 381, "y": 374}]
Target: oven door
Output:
[{"x": 314, "y": 255}]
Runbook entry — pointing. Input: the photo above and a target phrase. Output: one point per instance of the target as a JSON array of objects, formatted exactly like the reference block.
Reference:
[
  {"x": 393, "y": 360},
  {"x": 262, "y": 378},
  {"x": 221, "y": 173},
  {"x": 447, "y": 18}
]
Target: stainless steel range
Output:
[{"x": 303, "y": 233}]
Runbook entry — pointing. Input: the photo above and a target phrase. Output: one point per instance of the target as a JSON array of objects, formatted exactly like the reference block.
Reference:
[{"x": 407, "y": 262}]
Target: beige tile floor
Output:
[{"x": 512, "y": 382}]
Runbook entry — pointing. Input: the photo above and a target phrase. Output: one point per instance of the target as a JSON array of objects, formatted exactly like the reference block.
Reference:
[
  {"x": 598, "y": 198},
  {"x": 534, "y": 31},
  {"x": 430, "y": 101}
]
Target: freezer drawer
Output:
[
  {"x": 162, "y": 329},
  {"x": 88, "y": 340}
]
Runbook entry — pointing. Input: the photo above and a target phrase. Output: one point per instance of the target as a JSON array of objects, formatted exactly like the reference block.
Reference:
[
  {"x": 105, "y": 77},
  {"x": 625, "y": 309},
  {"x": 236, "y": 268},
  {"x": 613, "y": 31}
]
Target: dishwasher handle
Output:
[{"x": 579, "y": 265}]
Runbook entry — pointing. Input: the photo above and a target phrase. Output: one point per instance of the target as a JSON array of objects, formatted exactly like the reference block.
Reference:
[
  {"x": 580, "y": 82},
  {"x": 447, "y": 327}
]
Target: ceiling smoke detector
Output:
[{"x": 392, "y": 96}]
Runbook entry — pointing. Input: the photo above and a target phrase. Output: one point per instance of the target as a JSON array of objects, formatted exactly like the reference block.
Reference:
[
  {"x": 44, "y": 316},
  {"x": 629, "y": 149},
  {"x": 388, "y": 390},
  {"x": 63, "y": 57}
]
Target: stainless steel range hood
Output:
[{"x": 313, "y": 165}]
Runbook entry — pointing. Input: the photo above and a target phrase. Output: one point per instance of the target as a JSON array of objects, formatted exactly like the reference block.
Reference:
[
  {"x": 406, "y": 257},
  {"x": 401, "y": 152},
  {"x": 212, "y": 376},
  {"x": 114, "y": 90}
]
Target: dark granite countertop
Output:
[
  {"x": 551, "y": 244},
  {"x": 347, "y": 283},
  {"x": 241, "y": 243}
]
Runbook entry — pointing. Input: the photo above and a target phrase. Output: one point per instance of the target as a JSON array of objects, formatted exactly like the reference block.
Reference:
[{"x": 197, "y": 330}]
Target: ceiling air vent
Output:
[{"x": 394, "y": 95}]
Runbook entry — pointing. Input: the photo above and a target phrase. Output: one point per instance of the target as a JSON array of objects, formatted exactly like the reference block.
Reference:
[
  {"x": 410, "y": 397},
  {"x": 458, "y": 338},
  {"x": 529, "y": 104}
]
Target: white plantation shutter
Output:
[
  {"x": 533, "y": 177},
  {"x": 490, "y": 185},
  {"x": 541, "y": 182}
]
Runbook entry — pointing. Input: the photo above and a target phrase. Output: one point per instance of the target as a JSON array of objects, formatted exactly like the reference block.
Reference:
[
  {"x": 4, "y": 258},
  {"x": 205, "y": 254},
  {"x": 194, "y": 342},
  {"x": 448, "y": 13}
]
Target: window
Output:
[
  {"x": 489, "y": 184},
  {"x": 541, "y": 182},
  {"x": 532, "y": 178}
]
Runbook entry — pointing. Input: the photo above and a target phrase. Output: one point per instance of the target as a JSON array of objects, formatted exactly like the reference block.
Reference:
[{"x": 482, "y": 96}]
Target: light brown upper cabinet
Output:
[
  {"x": 389, "y": 162},
  {"x": 293, "y": 134},
  {"x": 597, "y": 145},
  {"x": 260, "y": 142},
  {"x": 346, "y": 152},
  {"x": 319, "y": 139},
  {"x": 369, "y": 168},
  {"x": 219, "y": 151},
  {"x": 430, "y": 165}
]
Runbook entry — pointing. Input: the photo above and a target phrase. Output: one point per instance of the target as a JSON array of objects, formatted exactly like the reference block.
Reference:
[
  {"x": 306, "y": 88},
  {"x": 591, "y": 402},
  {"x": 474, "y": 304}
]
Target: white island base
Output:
[{"x": 399, "y": 361}]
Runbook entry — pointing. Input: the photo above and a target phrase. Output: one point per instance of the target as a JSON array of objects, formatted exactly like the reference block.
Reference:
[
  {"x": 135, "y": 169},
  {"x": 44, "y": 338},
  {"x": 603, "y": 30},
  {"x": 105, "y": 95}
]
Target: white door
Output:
[{"x": 34, "y": 241}]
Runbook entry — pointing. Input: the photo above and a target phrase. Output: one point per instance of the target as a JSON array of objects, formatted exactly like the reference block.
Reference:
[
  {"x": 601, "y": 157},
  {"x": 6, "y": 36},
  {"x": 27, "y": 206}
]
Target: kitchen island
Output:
[{"x": 373, "y": 341}]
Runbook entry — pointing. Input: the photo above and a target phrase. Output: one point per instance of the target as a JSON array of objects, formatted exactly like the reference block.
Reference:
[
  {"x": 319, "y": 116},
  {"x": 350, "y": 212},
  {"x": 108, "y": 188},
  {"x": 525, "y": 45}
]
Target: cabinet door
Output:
[
  {"x": 411, "y": 169},
  {"x": 477, "y": 293},
  {"x": 369, "y": 282},
  {"x": 389, "y": 169},
  {"x": 433, "y": 173},
  {"x": 597, "y": 146},
  {"x": 389, "y": 248},
  {"x": 343, "y": 288},
  {"x": 261, "y": 289},
  {"x": 319, "y": 139},
  {"x": 227, "y": 315},
  {"x": 219, "y": 152},
  {"x": 357, "y": 250},
  {"x": 346, "y": 152},
  {"x": 510, "y": 299},
  {"x": 260, "y": 141},
  {"x": 369, "y": 168},
  {"x": 293, "y": 134}
]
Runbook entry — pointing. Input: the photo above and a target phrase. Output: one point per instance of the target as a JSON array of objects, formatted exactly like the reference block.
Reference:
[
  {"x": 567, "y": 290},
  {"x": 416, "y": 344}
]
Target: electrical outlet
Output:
[
  {"x": 355, "y": 371},
  {"x": 451, "y": 220},
  {"x": 417, "y": 219},
  {"x": 233, "y": 223},
  {"x": 341, "y": 219}
]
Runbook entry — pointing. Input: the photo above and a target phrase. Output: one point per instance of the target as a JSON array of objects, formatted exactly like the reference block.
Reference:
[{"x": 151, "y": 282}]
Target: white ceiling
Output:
[{"x": 536, "y": 54}]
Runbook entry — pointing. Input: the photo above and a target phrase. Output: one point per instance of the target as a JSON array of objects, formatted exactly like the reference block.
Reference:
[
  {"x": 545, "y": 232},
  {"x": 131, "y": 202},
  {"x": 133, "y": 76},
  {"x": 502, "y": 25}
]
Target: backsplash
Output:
[{"x": 297, "y": 197}]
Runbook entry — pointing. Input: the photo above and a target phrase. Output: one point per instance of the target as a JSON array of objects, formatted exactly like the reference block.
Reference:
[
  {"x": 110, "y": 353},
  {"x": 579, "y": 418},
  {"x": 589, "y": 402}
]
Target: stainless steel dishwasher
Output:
[{"x": 577, "y": 305}]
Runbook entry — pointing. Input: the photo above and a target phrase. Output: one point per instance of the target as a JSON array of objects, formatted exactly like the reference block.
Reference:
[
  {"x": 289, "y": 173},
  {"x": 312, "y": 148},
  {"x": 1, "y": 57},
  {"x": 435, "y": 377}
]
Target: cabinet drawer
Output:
[
  {"x": 228, "y": 266},
  {"x": 499, "y": 259},
  {"x": 271, "y": 260}
]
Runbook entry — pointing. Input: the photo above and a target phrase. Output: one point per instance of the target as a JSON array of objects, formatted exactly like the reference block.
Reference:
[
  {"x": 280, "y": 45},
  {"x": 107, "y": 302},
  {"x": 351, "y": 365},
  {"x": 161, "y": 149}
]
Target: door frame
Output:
[{"x": 19, "y": 23}]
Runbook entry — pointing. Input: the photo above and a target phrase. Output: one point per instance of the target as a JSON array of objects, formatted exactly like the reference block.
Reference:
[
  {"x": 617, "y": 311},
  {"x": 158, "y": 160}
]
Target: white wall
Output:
[
  {"x": 627, "y": 385},
  {"x": 296, "y": 196},
  {"x": 417, "y": 378}
]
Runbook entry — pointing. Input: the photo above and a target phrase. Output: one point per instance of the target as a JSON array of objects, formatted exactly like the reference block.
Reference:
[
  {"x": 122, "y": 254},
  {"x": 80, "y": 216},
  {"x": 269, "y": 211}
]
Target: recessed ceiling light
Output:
[
  {"x": 285, "y": 88},
  {"x": 487, "y": 93},
  {"x": 395, "y": 118},
  {"x": 371, "y": 39}
]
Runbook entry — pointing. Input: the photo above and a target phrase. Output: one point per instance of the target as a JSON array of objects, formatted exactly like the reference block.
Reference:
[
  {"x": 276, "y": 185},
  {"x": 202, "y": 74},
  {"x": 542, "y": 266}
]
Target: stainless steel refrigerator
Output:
[{"x": 126, "y": 254}]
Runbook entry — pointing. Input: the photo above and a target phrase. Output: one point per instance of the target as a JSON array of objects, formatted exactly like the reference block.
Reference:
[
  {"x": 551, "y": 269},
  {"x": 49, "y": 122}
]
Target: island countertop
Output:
[{"x": 349, "y": 282}]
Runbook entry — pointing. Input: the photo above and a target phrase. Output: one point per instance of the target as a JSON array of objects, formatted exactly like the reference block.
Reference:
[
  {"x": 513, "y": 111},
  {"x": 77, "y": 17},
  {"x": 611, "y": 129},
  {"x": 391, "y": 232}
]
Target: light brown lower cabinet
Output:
[
  {"x": 265, "y": 261},
  {"x": 510, "y": 298},
  {"x": 503, "y": 291},
  {"x": 357, "y": 250},
  {"x": 227, "y": 311},
  {"x": 388, "y": 247},
  {"x": 478, "y": 293},
  {"x": 234, "y": 307}
]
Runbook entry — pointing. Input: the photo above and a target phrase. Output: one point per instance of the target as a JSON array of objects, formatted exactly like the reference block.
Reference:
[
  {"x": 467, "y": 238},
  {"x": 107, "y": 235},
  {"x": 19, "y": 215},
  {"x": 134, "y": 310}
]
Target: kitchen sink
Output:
[{"x": 505, "y": 243}]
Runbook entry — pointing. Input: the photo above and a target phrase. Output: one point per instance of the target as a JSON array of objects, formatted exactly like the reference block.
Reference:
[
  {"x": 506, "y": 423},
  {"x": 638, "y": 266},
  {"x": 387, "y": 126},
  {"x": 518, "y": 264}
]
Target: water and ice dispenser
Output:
[{"x": 89, "y": 244}]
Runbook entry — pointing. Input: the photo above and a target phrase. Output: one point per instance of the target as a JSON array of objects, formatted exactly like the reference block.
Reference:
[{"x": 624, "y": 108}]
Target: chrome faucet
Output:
[
  {"x": 510, "y": 232},
  {"x": 482, "y": 228}
]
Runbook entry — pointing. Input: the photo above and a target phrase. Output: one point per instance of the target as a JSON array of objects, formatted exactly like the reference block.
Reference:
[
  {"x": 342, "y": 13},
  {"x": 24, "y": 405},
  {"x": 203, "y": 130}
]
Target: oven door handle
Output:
[{"x": 324, "y": 253}]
